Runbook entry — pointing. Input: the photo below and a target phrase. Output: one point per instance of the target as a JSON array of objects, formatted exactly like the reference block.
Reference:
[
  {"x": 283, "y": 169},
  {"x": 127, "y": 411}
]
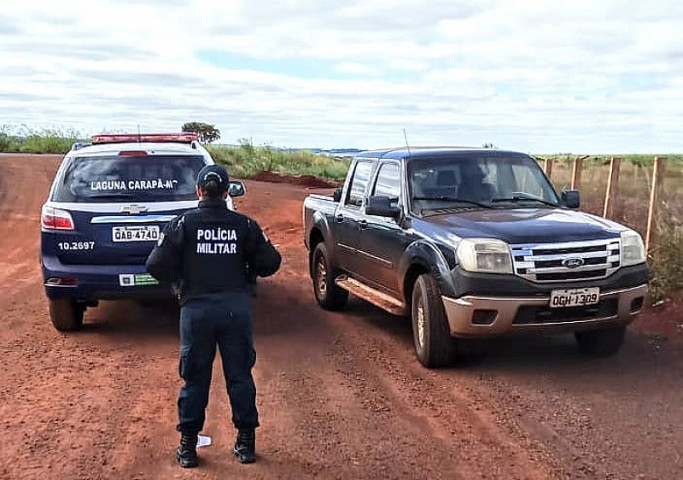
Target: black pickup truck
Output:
[{"x": 473, "y": 243}]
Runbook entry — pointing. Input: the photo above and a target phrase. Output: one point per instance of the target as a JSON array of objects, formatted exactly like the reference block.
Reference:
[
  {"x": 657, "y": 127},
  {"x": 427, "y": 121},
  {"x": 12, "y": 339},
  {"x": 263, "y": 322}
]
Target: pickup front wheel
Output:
[
  {"x": 328, "y": 295},
  {"x": 434, "y": 345}
]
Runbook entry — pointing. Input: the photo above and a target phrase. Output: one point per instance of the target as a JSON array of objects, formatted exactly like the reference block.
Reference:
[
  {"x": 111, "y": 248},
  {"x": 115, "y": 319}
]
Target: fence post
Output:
[
  {"x": 576, "y": 172},
  {"x": 548, "y": 167},
  {"x": 612, "y": 186},
  {"x": 658, "y": 174}
]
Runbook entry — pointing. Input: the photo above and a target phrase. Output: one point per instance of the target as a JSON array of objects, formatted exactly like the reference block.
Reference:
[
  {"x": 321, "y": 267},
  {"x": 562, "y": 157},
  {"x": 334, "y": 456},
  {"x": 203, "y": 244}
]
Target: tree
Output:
[{"x": 207, "y": 133}]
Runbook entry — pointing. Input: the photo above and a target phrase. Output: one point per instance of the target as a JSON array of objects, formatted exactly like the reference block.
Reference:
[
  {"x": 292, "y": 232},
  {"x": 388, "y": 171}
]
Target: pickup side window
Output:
[
  {"x": 359, "y": 182},
  {"x": 388, "y": 181}
]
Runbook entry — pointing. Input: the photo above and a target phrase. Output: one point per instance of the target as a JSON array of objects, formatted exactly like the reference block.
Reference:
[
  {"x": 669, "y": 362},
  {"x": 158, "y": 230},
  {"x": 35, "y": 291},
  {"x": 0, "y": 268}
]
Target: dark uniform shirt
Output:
[{"x": 211, "y": 250}]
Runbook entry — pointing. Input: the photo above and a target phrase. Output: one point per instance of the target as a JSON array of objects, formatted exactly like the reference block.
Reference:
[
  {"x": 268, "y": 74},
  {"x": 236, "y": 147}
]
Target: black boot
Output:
[
  {"x": 187, "y": 451},
  {"x": 245, "y": 446}
]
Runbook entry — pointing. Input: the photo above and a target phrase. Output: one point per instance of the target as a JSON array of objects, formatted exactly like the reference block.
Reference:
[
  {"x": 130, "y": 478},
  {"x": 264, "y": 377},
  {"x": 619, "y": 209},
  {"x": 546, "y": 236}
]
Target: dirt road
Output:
[{"x": 340, "y": 395}]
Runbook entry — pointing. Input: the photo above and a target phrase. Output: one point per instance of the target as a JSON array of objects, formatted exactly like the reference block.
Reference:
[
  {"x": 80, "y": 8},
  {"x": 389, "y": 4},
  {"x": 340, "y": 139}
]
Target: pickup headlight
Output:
[
  {"x": 632, "y": 248},
  {"x": 484, "y": 255}
]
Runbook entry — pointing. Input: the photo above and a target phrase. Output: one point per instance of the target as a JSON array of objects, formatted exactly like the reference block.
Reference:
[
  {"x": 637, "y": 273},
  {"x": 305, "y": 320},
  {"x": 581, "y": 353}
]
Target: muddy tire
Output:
[
  {"x": 328, "y": 295},
  {"x": 434, "y": 346},
  {"x": 601, "y": 343},
  {"x": 65, "y": 314}
]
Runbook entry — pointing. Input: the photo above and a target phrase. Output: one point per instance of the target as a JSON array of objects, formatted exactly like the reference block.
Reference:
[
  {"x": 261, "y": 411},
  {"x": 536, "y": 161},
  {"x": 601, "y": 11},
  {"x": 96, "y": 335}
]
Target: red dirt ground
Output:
[
  {"x": 340, "y": 394},
  {"x": 301, "y": 180}
]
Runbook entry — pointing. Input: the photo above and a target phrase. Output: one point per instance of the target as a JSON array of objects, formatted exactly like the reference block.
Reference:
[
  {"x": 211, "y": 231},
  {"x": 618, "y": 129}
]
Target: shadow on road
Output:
[
  {"x": 530, "y": 353},
  {"x": 279, "y": 308},
  {"x": 125, "y": 319}
]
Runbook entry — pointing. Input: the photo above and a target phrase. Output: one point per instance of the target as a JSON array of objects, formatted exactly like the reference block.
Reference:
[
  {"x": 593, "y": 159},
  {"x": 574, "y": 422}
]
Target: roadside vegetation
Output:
[
  {"x": 630, "y": 207},
  {"x": 246, "y": 160},
  {"x": 29, "y": 140}
]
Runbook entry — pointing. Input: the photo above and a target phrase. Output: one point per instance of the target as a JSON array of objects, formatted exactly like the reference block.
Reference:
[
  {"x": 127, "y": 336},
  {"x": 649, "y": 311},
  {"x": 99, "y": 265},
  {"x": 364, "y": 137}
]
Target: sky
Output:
[{"x": 598, "y": 76}]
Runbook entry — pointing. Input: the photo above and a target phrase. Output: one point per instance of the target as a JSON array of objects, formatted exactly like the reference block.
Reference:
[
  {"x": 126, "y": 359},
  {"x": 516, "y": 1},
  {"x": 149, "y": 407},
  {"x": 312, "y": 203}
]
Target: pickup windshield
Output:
[
  {"x": 487, "y": 180},
  {"x": 155, "y": 178}
]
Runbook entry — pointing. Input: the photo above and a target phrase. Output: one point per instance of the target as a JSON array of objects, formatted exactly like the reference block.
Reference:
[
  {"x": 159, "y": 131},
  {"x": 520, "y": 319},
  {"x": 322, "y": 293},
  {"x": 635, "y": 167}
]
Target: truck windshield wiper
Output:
[
  {"x": 523, "y": 197},
  {"x": 444, "y": 198}
]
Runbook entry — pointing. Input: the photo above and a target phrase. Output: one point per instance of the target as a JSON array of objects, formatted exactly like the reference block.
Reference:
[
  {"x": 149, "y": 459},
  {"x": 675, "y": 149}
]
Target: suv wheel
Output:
[
  {"x": 434, "y": 345},
  {"x": 66, "y": 314},
  {"x": 328, "y": 295},
  {"x": 601, "y": 343}
]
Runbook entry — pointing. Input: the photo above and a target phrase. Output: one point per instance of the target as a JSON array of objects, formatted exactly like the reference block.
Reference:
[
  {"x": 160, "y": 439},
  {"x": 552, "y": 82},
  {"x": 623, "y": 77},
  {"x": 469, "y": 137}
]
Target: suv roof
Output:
[
  {"x": 151, "y": 148},
  {"x": 162, "y": 143}
]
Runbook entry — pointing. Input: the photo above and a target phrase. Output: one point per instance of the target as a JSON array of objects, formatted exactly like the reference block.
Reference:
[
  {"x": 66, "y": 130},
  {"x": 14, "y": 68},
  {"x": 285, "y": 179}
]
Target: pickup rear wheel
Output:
[
  {"x": 434, "y": 345},
  {"x": 601, "y": 343},
  {"x": 66, "y": 315},
  {"x": 328, "y": 295}
]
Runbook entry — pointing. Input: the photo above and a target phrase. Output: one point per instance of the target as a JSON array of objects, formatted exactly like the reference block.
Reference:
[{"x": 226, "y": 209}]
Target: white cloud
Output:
[
  {"x": 534, "y": 76},
  {"x": 356, "y": 68}
]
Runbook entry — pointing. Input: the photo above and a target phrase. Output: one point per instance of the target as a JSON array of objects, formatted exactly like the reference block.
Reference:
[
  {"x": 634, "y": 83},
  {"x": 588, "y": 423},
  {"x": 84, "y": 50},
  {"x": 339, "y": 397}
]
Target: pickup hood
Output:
[{"x": 526, "y": 225}]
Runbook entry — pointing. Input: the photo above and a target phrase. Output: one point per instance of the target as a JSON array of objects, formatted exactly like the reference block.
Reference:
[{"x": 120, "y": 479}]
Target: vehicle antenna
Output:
[
  {"x": 405, "y": 135},
  {"x": 139, "y": 136}
]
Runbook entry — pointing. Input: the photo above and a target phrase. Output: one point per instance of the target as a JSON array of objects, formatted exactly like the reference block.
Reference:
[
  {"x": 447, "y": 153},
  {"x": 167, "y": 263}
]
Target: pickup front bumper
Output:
[{"x": 482, "y": 316}]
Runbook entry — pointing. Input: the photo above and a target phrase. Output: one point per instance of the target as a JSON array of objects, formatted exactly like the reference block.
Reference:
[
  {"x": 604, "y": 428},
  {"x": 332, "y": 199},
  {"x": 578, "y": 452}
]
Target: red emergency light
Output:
[{"x": 185, "y": 137}]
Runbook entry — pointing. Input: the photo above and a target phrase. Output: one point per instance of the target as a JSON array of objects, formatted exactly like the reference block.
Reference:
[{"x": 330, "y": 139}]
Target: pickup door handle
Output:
[
  {"x": 362, "y": 224},
  {"x": 339, "y": 218}
]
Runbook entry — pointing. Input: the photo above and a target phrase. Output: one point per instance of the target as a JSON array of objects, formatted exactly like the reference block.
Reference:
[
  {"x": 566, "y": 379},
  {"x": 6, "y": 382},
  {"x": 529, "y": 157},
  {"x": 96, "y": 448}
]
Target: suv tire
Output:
[
  {"x": 434, "y": 346},
  {"x": 328, "y": 295},
  {"x": 66, "y": 314},
  {"x": 601, "y": 343}
]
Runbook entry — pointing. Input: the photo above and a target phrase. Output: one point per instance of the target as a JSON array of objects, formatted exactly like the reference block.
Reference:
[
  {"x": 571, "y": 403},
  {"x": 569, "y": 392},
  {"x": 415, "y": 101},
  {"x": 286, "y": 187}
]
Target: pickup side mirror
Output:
[
  {"x": 336, "y": 195},
  {"x": 236, "y": 188},
  {"x": 571, "y": 198},
  {"x": 381, "y": 206}
]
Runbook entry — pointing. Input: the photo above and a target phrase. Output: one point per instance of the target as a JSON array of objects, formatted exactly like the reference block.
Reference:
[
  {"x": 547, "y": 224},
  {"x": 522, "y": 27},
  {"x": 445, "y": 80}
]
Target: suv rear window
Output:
[{"x": 152, "y": 178}]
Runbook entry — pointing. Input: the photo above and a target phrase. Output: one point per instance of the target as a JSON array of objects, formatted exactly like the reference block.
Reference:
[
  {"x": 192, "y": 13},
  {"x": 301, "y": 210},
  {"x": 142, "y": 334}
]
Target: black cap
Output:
[{"x": 216, "y": 173}]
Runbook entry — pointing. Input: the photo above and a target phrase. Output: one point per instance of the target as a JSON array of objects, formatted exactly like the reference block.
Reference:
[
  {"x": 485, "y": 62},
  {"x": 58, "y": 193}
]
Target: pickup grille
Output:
[{"x": 562, "y": 262}]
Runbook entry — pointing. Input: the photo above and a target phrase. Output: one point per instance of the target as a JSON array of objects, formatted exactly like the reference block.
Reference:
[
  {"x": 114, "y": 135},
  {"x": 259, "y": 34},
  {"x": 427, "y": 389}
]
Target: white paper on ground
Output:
[{"x": 203, "y": 441}]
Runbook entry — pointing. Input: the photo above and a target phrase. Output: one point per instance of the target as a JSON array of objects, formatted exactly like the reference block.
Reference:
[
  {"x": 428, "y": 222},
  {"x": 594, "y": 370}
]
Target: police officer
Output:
[{"x": 207, "y": 253}]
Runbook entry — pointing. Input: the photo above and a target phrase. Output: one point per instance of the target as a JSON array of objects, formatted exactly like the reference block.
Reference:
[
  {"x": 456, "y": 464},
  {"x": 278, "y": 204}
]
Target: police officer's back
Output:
[{"x": 209, "y": 253}]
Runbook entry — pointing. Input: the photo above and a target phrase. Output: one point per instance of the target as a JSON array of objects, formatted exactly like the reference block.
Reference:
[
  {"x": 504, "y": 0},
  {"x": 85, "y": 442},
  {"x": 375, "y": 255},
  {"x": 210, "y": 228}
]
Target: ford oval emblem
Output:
[{"x": 572, "y": 262}]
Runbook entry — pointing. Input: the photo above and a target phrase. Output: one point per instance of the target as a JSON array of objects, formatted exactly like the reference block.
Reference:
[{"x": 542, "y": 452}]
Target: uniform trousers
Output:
[{"x": 225, "y": 320}]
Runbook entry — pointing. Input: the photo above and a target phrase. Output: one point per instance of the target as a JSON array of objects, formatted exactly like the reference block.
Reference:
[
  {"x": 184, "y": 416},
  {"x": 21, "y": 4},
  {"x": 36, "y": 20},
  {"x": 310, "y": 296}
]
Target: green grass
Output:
[
  {"x": 28, "y": 140},
  {"x": 245, "y": 161},
  {"x": 666, "y": 264}
]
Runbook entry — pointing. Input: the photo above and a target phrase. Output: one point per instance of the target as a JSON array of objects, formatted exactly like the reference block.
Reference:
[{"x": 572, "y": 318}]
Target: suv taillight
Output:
[{"x": 55, "y": 219}]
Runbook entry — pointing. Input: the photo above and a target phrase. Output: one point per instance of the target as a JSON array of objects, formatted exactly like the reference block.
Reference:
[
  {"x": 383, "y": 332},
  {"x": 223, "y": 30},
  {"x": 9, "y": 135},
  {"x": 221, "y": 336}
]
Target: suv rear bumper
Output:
[
  {"x": 98, "y": 282},
  {"x": 478, "y": 316}
]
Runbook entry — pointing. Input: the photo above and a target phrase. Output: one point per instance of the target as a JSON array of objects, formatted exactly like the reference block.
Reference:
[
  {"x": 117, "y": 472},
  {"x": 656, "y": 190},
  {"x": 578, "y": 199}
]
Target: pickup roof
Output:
[{"x": 473, "y": 243}]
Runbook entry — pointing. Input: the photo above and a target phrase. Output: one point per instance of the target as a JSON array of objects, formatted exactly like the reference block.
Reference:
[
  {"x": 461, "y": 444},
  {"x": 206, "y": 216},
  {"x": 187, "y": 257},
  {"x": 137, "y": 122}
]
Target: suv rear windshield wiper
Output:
[
  {"x": 523, "y": 197},
  {"x": 111, "y": 195}
]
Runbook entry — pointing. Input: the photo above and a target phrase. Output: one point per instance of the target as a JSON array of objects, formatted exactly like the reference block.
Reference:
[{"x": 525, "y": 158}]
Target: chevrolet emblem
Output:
[{"x": 134, "y": 209}]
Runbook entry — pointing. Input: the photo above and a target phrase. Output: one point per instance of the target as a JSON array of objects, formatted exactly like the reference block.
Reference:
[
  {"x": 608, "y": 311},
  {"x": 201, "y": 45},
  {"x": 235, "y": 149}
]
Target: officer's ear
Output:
[
  {"x": 199, "y": 192},
  {"x": 225, "y": 194}
]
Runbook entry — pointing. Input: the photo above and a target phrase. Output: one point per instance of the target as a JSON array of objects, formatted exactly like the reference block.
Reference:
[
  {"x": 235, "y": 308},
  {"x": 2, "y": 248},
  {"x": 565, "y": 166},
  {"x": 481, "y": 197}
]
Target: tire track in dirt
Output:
[
  {"x": 69, "y": 406},
  {"x": 24, "y": 184}
]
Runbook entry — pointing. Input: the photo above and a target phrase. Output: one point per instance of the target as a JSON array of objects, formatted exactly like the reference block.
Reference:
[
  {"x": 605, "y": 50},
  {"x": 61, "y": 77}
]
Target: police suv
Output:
[{"x": 107, "y": 206}]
